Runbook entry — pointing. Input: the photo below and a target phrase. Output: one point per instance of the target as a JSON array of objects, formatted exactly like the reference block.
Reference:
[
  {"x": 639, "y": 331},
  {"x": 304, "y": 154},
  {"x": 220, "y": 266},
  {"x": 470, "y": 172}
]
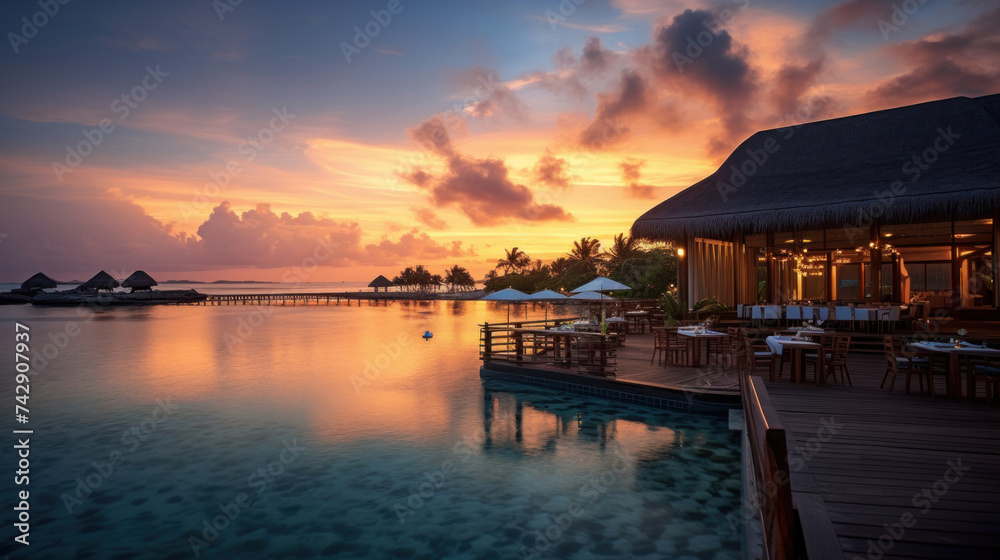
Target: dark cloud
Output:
[
  {"x": 429, "y": 218},
  {"x": 564, "y": 58},
  {"x": 700, "y": 57},
  {"x": 487, "y": 96},
  {"x": 480, "y": 187},
  {"x": 631, "y": 174},
  {"x": 432, "y": 134},
  {"x": 791, "y": 84},
  {"x": 632, "y": 97},
  {"x": 631, "y": 169},
  {"x": 963, "y": 63},
  {"x": 595, "y": 59},
  {"x": 551, "y": 171}
]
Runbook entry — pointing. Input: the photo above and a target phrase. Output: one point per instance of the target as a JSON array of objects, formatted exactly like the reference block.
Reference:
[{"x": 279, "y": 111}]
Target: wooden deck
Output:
[
  {"x": 880, "y": 460},
  {"x": 900, "y": 476},
  {"x": 633, "y": 365}
]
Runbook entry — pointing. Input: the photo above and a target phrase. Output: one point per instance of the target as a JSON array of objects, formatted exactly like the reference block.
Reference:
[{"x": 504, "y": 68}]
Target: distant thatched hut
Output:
[
  {"x": 101, "y": 281},
  {"x": 138, "y": 281},
  {"x": 38, "y": 282},
  {"x": 381, "y": 282}
]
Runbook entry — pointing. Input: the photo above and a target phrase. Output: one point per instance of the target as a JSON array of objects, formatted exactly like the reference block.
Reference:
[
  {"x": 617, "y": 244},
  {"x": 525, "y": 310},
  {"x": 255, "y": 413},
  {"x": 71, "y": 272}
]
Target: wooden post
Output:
[
  {"x": 487, "y": 341},
  {"x": 875, "y": 252}
]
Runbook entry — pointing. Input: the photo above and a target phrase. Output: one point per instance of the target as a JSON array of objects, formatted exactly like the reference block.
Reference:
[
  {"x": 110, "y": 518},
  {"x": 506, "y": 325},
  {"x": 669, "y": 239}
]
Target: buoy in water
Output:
[{"x": 428, "y": 335}]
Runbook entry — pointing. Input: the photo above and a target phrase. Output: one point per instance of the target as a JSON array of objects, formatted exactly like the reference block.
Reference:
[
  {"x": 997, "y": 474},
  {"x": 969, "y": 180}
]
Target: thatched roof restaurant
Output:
[
  {"x": 381, "y": 282},
  {"x": 138, "y": 281},
  {"x": 101, "y": 281},
  {"x": 893, "y": 205},
  {"x": 39, "y": 282}
]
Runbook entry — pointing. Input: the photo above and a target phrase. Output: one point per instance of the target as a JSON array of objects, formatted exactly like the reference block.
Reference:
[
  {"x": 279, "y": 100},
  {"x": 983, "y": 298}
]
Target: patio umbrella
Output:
[
  {"x": 508, "y": 295},
  {"x": 547, "y": 296},
  {"x": 601, "y": 284},
  {"x": 592, "y": 296}
]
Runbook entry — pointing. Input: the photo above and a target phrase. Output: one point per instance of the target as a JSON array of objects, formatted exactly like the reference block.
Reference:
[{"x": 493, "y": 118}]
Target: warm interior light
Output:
[{"x": 680, "y": 252}]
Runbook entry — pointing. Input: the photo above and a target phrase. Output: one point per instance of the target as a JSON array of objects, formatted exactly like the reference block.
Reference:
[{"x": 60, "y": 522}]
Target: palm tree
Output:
[
  {"x": 622, "y": 254},
  {"x": 458, "y": 276},
  {"x": 586, "y": 255},
  {"x": 559, "y": 266},
  {"x": 516, "y": 260}
]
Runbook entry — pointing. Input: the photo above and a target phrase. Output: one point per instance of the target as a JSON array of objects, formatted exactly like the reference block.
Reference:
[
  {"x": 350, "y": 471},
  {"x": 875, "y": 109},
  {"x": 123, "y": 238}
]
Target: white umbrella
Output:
[
  {"x": 601, "y": 284},
  {"x": 508, "y": 295},
  {"x": 547, "y": 295}
]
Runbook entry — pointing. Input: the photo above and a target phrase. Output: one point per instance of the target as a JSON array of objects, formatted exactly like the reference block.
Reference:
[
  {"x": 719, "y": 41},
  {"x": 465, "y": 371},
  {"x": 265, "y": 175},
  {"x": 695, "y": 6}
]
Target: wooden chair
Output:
[
  {"x": 838, "y": 359},
  {"x": 756, "y": 358},
  {"x": 987, "y": 370},
  {"x": 731, "y": 346},
  {"x": 659, "y": 346},
  {"x": 677, "y": 350},
  {"x": 898, "y": 358}
]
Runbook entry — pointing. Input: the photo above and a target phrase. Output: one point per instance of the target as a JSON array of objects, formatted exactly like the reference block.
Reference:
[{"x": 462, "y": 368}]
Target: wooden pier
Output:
[{"x": 328, "y": 298}]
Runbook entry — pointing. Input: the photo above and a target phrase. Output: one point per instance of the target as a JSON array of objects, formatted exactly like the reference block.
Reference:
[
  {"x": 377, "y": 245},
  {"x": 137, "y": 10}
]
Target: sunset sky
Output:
[{"x": 239, "y": 141}]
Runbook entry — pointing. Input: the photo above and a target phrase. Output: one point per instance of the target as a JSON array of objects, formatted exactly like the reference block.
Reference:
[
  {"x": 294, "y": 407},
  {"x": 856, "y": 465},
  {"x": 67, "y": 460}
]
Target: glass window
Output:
[
  {"x": 938, "y": 276},
  {"x": 849, "y": 282},
  {"x": 886, "y": 281}
]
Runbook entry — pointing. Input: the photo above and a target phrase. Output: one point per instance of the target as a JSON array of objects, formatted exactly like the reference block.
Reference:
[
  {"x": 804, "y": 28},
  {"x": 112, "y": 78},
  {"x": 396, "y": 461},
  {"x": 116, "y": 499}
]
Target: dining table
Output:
[
  {"x": 954, "y": 351},
  {"x": 594, "y": 344},
  {"x": 798, "y": 346},
  {"x": 694, "y": 338},
  {"x": 639, "y": 319}
]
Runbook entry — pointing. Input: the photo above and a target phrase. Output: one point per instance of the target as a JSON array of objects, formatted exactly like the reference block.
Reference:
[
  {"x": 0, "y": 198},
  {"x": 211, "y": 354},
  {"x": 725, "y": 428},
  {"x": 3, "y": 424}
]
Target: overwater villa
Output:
[{"x": 854, "y": 254}]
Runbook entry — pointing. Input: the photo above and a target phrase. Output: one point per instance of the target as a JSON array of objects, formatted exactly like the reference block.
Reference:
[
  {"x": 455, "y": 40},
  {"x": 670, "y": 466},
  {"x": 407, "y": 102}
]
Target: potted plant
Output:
[{"x": 672, "y": 309}]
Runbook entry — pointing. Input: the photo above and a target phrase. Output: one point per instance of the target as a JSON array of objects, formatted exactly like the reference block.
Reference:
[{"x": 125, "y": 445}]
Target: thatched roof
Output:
[
  {"x": 139, "y": 279},
  {"x": 38, "y": 282},
  {"x": 381, "y": 282},
  {"x": 845, "y": 171},
  {"x": 101, "y": 281}
]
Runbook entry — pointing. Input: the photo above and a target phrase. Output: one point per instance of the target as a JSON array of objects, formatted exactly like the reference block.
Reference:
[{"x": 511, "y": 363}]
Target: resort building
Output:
[{"x": 900, "y": 206}]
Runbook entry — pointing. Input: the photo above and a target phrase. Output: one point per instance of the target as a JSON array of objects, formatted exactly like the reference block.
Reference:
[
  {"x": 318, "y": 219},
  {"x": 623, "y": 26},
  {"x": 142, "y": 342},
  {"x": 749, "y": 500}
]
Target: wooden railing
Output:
[
  {"x": 534, "y": 343},
  {"x": 771, "y": 490}
]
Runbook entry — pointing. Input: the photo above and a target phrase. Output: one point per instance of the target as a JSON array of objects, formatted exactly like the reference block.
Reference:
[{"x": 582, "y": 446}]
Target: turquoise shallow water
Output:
[{"x": 336, "y": 432}]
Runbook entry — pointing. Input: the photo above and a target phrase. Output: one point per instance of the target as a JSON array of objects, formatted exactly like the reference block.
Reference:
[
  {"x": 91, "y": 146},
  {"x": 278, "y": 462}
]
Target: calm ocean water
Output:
[{"x": 337, "y": 432}]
